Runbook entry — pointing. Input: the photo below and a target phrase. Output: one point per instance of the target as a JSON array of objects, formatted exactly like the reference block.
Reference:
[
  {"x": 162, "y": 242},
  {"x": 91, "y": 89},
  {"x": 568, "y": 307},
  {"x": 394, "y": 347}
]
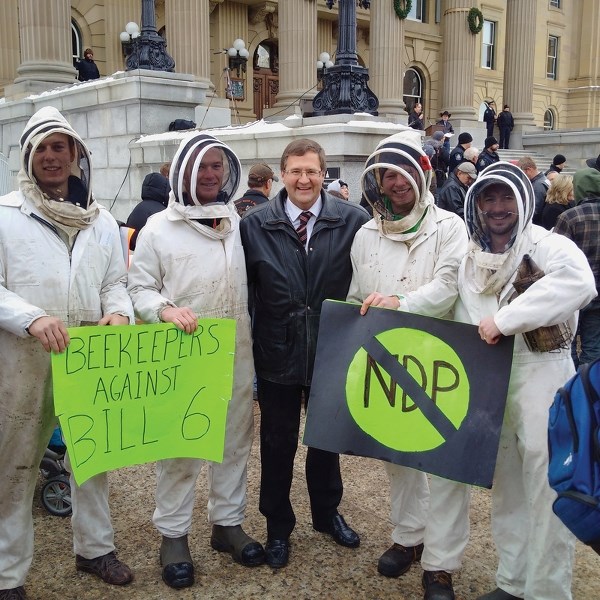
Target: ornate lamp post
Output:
[
  {"x": 345, "y": 89},
  {"x": 146, "y": 50}
]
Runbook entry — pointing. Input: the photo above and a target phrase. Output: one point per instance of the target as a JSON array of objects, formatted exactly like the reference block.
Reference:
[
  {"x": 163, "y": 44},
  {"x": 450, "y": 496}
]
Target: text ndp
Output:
[
  {"x": 132, "y": 394},
  {"x": 410, "y": 401}
]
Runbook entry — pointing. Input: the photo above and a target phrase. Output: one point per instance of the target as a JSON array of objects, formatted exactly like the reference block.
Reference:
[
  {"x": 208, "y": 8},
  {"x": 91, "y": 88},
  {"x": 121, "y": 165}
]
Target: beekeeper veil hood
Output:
[
  {"x": 186, "y": 164},
  {"x": 403, "y": 154},
  {"x": 78, "y": 210},
  {"x": 488, "y": 272}
]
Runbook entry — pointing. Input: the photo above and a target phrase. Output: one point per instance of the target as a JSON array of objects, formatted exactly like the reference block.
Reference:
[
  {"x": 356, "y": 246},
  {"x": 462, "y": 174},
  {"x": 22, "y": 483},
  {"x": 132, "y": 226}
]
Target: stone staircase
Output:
[{"x": 542, "y": 161}]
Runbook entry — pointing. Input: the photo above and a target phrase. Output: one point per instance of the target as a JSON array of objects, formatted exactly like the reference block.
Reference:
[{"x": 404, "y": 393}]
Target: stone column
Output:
[
  {"x": 297, "y": 54},
  {"x": 188, "y": 33},
  {"x": 518, "y": 63},
  {"x": 9, "y": 43},
  {"x": 45, "y": 41},
  {"x": 458, "y": 61},
  {"x": 387, "y": 48}
]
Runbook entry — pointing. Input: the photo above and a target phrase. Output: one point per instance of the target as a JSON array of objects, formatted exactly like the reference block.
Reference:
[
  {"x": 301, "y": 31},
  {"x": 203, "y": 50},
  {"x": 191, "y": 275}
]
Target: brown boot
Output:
[{"x": 108, "y": 567}]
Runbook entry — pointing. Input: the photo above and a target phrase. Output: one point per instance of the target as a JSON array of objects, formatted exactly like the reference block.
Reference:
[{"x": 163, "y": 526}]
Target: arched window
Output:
[
  {"x": 76, "y": 41},
  {"x": 413, "y": 88},
  {"x": 549, "y": 120}
]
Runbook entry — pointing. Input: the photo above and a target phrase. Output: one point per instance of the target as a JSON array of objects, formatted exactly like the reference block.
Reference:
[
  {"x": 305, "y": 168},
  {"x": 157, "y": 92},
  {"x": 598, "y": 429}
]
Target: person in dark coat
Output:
[
  {"x": 297, "y": 249},
  {"x": 448, "y": 129},
  {"x": 505, "y": 124},
  {"x": 489, "y": 117},
  {"x": 452, "y": 196},
  {"x": 488, "y": 155},
  {"x": 155, "y": 197},
  {"x": 458, "y": 153},
  {"x": 560, "y": 197},
  {"x": 416, "y": 117},
  {"x": 86, "y": 67},
  {"x": 558, "y": 164},
  {"x": 260, "y": 182}
]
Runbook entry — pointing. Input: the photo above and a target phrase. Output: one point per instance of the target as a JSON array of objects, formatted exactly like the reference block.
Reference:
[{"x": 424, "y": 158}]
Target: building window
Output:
[
  {"x": 555, "y": 3},
  {"x": 489, "y": 45},
  {"x": 552, "y": 67},
  {"x": 549, "y": 120},
  {"x": 418, "y": 12},
  {"x": 413, "y": 88},
  {"x": 76, "y": 42}
]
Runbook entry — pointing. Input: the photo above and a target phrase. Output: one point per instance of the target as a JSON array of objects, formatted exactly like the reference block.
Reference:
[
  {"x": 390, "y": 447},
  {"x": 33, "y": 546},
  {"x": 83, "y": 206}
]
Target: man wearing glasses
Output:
[{"x": 297, "y": 254}]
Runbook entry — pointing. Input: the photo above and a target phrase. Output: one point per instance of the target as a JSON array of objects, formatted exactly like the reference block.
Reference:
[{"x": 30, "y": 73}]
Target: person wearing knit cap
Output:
[
  {"x": 61, "y": 265},
  {"x": 86, "y": 67},
  {"x": 506, "y": 124},
  {"x": 558, "y": 164},
  {"x": 189, "y": 264},
  {"x": 535, "y": 549},
  {"x": 260, "y": 184},
  {"x": 458, "y": 153},
  {"x": 488, "y": 155},
  {"x": 440, "y": 158},
  {"x": 406, "y": 258}
]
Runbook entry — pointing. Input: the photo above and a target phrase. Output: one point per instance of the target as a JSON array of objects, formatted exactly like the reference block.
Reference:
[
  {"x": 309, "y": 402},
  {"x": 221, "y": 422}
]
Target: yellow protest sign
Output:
[{"x": 132, "y": 394}]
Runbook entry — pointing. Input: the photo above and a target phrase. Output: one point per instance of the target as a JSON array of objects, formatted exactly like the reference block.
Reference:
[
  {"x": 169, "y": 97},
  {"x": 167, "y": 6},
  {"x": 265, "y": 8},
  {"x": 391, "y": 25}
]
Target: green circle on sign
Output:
[{"x": 385, "y": 412}]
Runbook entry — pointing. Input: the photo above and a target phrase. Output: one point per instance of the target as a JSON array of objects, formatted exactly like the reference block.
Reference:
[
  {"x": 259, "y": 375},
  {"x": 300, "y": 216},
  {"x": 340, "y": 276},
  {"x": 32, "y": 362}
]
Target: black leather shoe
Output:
[
  {"x": 498, "y": 594},
  {"x": 176, "y": 561},
  {"x": 438, "y": 585},
  {"x": 277, "y": 553},
  {"x": 341, "y": 532},
  {"x": 397, "y": 559},
  {"x": 242, "y": 547}
]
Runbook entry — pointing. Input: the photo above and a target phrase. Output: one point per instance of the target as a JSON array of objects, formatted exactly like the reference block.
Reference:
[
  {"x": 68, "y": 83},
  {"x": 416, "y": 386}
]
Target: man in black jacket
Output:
[
  {"x": 260, "y": 182},
  {"x": 86, "y": 66},
  {"x": 488, "y": 155},
  {"x": 297, "y": 254},
  {"x": 155, "y": 197},
  {"x": 452, "y": 196},
  {"x": 458, "y": 153},
  {"x": 505, "y": 123}
]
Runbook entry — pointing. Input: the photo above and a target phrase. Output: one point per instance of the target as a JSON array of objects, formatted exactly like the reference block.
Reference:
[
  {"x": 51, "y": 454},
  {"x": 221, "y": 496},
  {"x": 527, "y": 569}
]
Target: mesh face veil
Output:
[
  {"x": 404, "y": 155},
  {"x": 499, "y": 173},
  {"x": 188, "y": 158}
]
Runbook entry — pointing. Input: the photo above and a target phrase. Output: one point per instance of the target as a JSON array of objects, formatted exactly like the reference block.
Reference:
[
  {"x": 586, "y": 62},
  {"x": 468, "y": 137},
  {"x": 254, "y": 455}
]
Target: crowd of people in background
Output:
[{"x": 444, "y": 235}]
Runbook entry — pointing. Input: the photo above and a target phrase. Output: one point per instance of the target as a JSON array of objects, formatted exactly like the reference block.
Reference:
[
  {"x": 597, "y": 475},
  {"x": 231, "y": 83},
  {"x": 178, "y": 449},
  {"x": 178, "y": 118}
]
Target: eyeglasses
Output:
[{"x": 310, "y": 173}]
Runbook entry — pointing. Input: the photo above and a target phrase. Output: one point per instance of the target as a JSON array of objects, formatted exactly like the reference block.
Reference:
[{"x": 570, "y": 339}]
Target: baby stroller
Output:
[{"x": 56, "y": 489}]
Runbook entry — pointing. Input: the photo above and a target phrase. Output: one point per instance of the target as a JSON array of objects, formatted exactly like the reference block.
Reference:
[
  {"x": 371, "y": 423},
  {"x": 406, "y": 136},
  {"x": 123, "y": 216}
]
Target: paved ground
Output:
[{"x": 318, "y": 568}]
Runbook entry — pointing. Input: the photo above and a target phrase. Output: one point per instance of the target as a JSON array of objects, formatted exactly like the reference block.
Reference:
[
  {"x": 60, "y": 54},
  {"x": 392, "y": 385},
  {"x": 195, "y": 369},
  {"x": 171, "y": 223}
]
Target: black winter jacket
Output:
[
  {"x": 155, "y": 197},
  {"x": 287, "y": 285},
  {"x": 87, "y": 70},
  {"x": 452, "y": 196}
]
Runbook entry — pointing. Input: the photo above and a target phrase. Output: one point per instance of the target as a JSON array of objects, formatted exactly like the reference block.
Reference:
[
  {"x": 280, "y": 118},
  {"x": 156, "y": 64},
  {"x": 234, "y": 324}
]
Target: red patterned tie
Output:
[{"x": 301, "y": 229}]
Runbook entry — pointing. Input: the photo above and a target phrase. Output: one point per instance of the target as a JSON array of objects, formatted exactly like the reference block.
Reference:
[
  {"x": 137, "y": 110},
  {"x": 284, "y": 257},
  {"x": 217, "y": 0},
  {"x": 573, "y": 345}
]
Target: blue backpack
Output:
[{"x": 574, "y": 454}]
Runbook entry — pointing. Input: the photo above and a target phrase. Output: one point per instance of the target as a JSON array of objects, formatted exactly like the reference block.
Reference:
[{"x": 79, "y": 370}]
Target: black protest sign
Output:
[{"x": 412, "y": 390}]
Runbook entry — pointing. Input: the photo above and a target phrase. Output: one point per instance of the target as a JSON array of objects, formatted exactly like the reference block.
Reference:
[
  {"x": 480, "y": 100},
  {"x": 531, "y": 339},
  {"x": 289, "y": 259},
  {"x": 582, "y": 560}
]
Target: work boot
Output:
[
  {"x": 176, "y": 561},
  {"x": 13, "y": 594},
  {"x": 498, "y": 594},
  {"x": 397, "y": 559},
  {"x": 233, "y": 539},
  {"x": 108, "y": 567},
  {"x": 437, "y": 585}
]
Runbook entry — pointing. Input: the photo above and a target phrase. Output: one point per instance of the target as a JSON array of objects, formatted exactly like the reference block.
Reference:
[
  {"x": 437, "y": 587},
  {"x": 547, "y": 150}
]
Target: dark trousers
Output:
[
  {"x": 490, "y": 129},
  {"x": 504, "y": 137},
  {"x": 280, "y": 407},
  {"x": 588, "y": 332}
]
